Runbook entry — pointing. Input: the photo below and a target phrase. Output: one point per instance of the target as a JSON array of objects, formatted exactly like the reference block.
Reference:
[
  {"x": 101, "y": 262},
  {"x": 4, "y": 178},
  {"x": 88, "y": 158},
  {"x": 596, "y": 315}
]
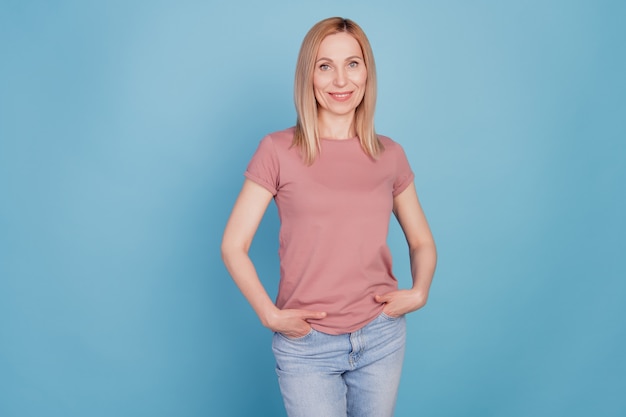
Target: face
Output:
[{"x": 340, "y": 75}]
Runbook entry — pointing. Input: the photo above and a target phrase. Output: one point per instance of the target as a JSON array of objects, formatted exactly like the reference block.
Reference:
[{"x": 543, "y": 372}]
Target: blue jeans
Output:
[{"x": 355, "y": 374}]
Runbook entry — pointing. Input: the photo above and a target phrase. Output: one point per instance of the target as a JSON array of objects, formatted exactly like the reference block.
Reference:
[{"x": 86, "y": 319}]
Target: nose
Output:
[{"x": 340, "y": 77}]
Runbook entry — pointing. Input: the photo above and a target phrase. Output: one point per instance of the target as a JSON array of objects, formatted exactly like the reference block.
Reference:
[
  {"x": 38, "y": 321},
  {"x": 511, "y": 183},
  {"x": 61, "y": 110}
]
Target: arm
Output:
[
  {"x": 240, "y": 229},
  {"x": 422, "y": 253}
]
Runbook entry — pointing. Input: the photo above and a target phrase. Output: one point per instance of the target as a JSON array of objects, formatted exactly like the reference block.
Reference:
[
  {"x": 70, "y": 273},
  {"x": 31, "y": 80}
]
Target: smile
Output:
[{"x": 341, "y": 96}]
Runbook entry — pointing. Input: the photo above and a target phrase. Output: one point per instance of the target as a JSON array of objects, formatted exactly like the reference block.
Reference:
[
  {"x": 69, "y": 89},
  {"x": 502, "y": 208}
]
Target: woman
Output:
[{"x": 338, "y": 320}]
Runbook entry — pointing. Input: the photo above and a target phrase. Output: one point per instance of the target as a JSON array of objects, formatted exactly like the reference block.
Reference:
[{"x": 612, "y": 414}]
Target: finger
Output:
[
  {"x": 298, "y": 333},
  {"x": 382, "y": 298},
  {"x": 392, "y": 314}
]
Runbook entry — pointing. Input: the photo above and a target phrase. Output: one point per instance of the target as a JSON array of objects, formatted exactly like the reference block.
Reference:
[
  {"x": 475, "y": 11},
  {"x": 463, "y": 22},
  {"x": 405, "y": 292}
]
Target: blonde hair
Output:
[{"x": 306, "y": 136}]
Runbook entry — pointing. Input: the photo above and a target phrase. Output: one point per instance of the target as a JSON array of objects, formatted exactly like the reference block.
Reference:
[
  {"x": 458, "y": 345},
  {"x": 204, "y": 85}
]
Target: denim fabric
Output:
[{"x": 355, "y": 374}]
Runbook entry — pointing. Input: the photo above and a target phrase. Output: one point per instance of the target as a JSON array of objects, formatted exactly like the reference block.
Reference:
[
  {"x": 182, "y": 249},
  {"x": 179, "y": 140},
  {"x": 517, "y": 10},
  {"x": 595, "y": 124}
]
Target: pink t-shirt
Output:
[{"x": 334, "y": 219}]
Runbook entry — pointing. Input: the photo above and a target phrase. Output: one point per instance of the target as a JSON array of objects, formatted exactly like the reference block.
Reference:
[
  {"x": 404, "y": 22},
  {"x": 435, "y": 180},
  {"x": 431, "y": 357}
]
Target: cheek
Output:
[
  {"x": 316, "y": 83},
  {"x": 319, "y": 80},
  {"x": 318, "y": 88},
  {"x": 359, "y": 78},
  {"x": 362, "y": 78}
]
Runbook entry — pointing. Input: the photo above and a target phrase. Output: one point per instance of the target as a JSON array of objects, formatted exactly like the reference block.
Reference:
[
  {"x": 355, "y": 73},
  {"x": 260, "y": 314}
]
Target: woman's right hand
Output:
[
  {"x": 291, "y": 322},
  {"x": 238, "y": 234}
]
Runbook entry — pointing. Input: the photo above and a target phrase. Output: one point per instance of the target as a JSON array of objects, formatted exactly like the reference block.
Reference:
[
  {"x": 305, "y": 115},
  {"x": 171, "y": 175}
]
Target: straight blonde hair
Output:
[{"x": 306, "y": 136}]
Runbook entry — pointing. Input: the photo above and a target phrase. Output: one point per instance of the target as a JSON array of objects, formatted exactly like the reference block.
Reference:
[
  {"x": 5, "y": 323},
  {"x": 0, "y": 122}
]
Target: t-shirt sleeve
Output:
[
  {"x": 404, "y": 174},
  {"x": 264, "y": 167}
]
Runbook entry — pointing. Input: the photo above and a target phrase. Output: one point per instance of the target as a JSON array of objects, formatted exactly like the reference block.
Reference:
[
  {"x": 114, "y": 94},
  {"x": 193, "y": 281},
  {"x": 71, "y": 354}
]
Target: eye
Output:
[
  {"x": 324, "y": 67},
  {"x": 353, "y": 64}
]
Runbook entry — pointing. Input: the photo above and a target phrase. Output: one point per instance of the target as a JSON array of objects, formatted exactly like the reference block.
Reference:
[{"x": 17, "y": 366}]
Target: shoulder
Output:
[
  {"x": 394, "y": 152},
  {"x": 389, "y": 144},
  {"x": 280, "y": 139}
]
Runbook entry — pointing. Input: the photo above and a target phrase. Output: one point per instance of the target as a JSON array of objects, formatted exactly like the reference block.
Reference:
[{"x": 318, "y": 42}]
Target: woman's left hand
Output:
[{"x": 400, "y": 302}]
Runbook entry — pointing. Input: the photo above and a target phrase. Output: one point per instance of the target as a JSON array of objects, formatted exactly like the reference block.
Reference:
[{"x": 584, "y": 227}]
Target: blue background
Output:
[{"x": 125, "y": 127}]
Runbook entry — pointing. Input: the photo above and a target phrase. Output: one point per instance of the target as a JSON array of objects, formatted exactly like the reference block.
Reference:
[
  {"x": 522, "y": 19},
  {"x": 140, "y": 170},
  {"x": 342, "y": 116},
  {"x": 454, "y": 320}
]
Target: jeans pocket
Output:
[
  {"x": 297, "y": 339},
  {"x": 388, "y": 317}
]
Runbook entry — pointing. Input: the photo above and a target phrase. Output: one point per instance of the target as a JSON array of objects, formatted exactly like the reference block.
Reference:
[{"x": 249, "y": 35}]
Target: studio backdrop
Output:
[{"x": 125, "y": 129}]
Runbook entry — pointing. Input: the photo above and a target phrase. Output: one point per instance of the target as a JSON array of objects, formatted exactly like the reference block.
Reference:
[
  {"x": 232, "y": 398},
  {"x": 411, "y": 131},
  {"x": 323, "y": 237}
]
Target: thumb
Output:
[
  {"x": 381, "y": 298},
  {"x": 310, "y": 314}
]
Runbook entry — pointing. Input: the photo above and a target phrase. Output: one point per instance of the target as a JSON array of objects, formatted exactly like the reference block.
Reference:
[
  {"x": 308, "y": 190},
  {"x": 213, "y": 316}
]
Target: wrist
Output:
[
  {"x": 268, "y": 317},
  {"x": 420, "y": 295}
]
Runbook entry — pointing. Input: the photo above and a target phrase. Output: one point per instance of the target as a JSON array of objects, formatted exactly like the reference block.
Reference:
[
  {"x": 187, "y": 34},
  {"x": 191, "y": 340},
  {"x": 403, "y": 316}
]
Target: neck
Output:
[{"x": 336, "y": 126}]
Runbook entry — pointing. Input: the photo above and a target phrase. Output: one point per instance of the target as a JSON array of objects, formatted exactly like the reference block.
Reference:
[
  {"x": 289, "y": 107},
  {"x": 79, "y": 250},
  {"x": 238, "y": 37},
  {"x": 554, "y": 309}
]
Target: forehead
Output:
[{"x": 339, "y": 45}]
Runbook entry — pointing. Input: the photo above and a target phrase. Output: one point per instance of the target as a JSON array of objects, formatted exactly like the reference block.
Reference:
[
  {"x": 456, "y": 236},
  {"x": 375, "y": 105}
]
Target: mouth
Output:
[{"x": 341, "y": 96}]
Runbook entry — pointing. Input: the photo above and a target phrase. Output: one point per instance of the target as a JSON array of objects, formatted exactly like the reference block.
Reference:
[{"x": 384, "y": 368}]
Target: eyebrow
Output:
[{"x": 350, "y": 58}]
